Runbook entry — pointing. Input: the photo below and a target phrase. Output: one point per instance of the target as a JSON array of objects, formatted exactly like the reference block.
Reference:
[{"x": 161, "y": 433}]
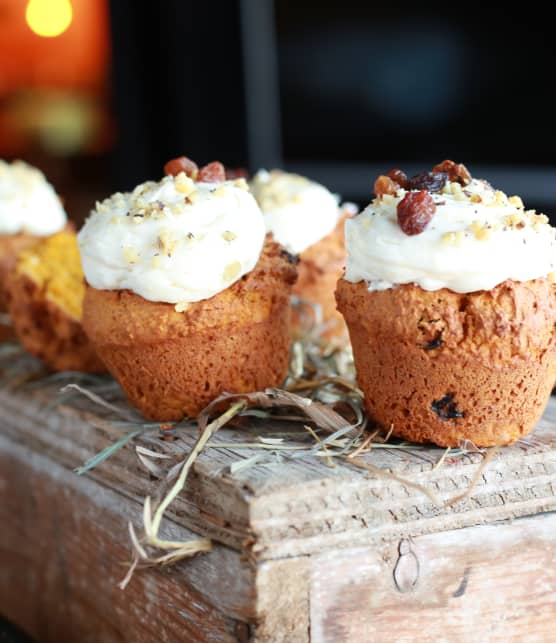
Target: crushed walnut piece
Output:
[
  {"x": 166, "y": 242},
  {"x": 231, "y": 271},
  {"x": 131, "y": 255},
  {"x": 242, "y": 184},
  {"x": 516, "y": 202},
  {"x": 184, "y": 183}
]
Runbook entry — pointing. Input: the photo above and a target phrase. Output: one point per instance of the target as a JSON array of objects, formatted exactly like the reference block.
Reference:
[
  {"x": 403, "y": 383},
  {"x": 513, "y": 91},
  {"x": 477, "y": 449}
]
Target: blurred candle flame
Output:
[{"x": 49, "y": 18}]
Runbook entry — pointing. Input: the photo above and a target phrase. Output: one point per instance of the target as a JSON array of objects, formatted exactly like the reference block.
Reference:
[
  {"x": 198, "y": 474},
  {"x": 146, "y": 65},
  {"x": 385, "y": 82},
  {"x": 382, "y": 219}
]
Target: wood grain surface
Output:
[
  {"x": 301, "y": 551},
  {"x": 486, "y": 583},
  {"x": 63, "y": 545},
  {"x": 298, "y": 507}
]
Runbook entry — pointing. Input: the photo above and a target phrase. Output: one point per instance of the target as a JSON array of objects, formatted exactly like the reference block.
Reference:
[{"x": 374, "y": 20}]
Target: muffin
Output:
[
  {"x": 29, "y": 208},
  {"x": 185, "y": 299},
  {"x": 449, "y": 300},
  {"x": 305, "y": 218},
  {"x": 45, "y": 296}
]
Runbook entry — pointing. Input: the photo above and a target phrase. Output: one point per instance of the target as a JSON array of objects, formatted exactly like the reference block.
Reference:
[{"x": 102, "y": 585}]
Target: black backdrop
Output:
[{"x": 337, "y": 90}]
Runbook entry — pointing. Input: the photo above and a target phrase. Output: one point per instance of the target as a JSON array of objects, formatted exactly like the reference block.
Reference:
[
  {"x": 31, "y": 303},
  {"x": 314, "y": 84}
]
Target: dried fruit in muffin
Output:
[
  {"x": 399, "y": 176},
  {"x": 212, "y": 173},
  {"x": 457, "y": 172},
  {"x": 415, "y": 212},
  {"x": 181, "y": 164},
  {"x": 385, "y": 185},
  {"x": 430, "y": 181}
]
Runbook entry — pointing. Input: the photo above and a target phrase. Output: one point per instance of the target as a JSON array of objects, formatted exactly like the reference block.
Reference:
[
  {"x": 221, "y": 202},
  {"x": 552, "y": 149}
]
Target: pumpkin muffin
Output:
[
  {"x": 45, "y": 296},
  {"x": 185, "y": 299},
  {"x": 29, "y": 209},
  {"x": 305, "y": 218},
  {"x": 449, "y": 299}
]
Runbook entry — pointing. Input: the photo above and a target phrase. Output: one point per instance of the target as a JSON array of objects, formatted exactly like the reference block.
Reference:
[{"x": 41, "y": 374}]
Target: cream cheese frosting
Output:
[
  {"x": 174, "y": 241},
  {"x": 477, "y": 238},
  {"x": 297, "y": 211},
  {"x": 28, "y": 203}
]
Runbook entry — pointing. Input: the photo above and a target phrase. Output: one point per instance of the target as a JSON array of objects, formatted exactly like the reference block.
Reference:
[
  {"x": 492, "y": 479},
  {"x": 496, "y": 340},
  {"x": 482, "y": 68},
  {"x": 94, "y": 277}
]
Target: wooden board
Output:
[
  {"x": 64, "y": 541},
  {"x": 302, "y": 506},
  {"x": 301, "y": 552},
  {"x": 487, "y": 583},
  {"x": 64, "y": 547}
]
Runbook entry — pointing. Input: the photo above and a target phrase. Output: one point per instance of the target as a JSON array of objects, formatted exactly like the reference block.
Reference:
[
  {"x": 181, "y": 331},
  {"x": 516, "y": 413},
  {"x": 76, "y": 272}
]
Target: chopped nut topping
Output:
[
  {"x": 483, "y": 234},
  {"x": 102, "y": 208},
  {"x": 228, "y": 235},
  {"x": 156, "y": 262},
  {"x": 449, "y": 238},
  {"x": 516, "y": 202},
  {"x": 184, "y": 183},
  {"x": 166, "y": 243},
  {"x": 367, "y": 223},
  {"x": 514, "y": 220},
  {"x": 220, "y": 191},
  {"x": 181, "y": 306},
  {"x": 242, "y": 184},
  {"x": 231, "y": 271},
  {"x": 500, "y": 198},
  {"x": 475, "y": 226},
  {"x": 130, "y": 254}
]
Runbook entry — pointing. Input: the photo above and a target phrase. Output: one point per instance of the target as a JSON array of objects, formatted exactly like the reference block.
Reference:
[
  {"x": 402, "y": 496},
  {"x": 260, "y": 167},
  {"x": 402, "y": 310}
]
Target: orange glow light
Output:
[{"x": 49, "y": 18}]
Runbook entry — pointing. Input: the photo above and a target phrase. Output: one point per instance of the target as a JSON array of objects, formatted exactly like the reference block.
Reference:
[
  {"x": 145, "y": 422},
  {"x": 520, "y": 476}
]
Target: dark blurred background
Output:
[{"x": 100, "y": 95}]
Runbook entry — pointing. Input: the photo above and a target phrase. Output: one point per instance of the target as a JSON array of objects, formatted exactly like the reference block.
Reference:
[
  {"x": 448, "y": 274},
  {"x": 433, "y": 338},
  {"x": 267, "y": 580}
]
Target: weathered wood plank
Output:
[
  {"x": 486, "y": 583},
  {"x": 301, "y": 507},
  {"x": 62, "y": 545},
  {"x": 59, "y": 568}
]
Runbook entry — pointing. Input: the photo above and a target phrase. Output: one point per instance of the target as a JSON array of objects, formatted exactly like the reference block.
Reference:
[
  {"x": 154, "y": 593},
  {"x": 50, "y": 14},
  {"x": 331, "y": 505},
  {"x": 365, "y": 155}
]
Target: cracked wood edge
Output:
[
  {"x": 61, "y": 552},
  {"x": 329, "y": 508}
]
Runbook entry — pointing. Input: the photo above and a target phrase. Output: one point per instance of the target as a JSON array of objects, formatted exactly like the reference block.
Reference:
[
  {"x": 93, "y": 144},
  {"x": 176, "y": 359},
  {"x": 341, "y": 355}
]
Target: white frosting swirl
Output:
[
  {"x": 174, "y": 241},
  {"x": 477, "y": 238},
  {"x": 297, "y": 211},
  {"x": 28, "y": 203}
]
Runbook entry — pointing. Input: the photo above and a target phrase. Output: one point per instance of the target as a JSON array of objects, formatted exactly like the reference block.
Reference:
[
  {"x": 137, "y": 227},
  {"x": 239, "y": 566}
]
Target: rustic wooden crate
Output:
[{"x": 301, "y": 551}]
